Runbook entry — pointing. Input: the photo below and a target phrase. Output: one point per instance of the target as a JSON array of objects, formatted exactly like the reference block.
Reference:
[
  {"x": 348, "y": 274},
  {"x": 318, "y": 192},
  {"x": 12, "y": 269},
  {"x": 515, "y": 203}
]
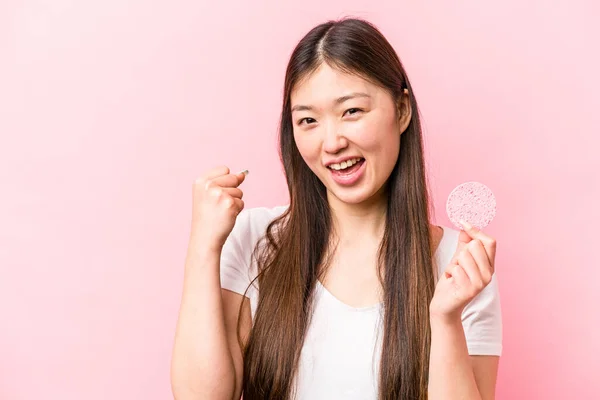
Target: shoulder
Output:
[
  {"x": 250, "y": 227},
  {"x": 450, "y": 235},
  {"x": 257, "y": 219},
  {"x": 251, "y": 224}
]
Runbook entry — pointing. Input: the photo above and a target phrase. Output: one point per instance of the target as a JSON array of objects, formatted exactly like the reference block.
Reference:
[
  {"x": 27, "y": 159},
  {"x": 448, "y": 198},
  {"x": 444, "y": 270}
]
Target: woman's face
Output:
[{"x": 348, "y": 132}]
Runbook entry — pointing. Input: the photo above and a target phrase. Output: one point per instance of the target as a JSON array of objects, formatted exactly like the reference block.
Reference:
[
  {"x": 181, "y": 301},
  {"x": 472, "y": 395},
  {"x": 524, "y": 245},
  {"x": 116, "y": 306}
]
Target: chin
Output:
[{"x": 351, "y": 196}]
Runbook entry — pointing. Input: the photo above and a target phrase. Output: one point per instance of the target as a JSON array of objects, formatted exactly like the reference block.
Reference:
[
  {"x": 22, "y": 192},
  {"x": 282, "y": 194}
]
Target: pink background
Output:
[{"x": 110, "y": 109}]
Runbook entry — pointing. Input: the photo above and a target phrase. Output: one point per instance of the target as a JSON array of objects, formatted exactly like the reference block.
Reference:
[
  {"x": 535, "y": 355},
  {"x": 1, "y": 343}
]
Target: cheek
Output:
[
  {"x": 307, "y": 146},
  {"x": 390, "y": 146},
  {"x": 377, "y": 137}
]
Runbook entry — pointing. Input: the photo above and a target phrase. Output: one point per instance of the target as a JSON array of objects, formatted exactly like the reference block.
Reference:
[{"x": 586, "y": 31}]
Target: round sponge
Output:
[{"x": 472, "y": 202}]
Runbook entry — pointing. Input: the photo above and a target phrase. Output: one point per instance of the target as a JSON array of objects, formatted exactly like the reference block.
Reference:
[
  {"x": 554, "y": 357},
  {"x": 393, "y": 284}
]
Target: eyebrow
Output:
[{"x": 339, "y": 100}]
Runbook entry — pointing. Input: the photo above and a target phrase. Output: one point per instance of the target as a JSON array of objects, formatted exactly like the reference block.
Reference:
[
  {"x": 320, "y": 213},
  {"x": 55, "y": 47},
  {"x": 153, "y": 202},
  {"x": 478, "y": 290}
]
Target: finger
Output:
[
  {"x": 233, "y": 192},
  {"x": 239, "y": 204},
  {"x": 459, "y": 249},
  {"x": 233, "y": 203},
  {"x": 464, "y": 238},
  {"x": 215, "y": 172},
  {"x": 467, "y": 262},
  {"x": 454, "y": 260},
  {"x": 453, "y": 263},
  {"x": 480, "y": 256},
  {"x": 461, "y": 245},
  {"x": 489, "y": 243},
  {"x": 228, "y": 195},
  {"x": 460, "y": 277},
  {"x": 241, "y": 176},
  {"x": 229, "y": 180}
]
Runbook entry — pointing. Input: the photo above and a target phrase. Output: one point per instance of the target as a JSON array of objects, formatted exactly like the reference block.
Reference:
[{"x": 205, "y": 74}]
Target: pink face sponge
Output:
[{"x": 472, "y": 202}]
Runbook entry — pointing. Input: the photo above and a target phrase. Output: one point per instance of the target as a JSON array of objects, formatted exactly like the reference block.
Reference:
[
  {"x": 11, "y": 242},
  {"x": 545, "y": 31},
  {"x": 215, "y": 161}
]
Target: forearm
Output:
[
  {"x": 202, "y": 365},
  {"x": 450, "y": 370}
]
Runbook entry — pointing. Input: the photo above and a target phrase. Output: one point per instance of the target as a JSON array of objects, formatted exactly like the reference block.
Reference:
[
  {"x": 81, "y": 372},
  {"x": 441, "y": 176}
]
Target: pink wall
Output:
[{"x": 109, "y": 110}]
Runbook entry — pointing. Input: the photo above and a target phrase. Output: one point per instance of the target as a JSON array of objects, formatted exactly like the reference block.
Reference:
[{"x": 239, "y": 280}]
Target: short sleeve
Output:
[
  {"x": 482, "y": 321},
  {"x": 236, "y": 256}
]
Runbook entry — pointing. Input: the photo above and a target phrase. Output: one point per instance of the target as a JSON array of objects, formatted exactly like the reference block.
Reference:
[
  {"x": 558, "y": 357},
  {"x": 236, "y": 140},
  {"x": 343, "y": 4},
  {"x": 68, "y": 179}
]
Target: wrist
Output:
[
  {"x": 445, "y": 320},
  {"x": 205, "y": 242},
  {"x": 202, "y": 247}
]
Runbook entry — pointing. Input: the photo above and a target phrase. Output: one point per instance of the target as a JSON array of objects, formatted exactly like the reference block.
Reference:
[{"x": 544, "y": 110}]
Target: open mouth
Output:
[
  {"x": 348, "y": 172},
  {"x": 347, "y": 167}
]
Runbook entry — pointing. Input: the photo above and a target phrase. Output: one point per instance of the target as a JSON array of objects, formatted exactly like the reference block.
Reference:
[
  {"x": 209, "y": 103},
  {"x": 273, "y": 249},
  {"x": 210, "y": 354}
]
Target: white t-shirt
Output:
[{"x": 341, "y": 353}]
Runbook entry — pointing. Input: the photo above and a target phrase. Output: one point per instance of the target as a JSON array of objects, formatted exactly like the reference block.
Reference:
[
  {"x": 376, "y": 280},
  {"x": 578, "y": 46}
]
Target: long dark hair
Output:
[{"x": 295, "y": 245}]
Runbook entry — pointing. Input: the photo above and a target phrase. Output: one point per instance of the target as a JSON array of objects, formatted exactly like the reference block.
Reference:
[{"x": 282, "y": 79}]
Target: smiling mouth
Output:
[{"x": 347, "y": 166}]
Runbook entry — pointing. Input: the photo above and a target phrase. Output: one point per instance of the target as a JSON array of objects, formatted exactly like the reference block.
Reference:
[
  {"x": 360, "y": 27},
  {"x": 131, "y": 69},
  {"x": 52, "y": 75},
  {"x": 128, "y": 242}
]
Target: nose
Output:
[{"x": 334, "y": 141}]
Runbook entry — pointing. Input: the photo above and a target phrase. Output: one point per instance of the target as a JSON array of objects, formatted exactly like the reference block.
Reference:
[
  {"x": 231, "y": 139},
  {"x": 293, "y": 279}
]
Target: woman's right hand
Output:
[{"x": 217, "y": 201}]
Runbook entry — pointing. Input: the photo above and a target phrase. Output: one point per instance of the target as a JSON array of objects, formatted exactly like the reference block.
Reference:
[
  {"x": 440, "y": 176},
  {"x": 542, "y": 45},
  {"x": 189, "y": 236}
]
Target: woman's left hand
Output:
[{"x": 468, "y": 273}]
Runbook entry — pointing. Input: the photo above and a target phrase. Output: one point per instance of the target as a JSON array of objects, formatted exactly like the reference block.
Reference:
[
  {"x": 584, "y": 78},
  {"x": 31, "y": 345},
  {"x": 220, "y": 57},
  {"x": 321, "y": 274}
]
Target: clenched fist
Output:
[{"x": 217, "y": 201}]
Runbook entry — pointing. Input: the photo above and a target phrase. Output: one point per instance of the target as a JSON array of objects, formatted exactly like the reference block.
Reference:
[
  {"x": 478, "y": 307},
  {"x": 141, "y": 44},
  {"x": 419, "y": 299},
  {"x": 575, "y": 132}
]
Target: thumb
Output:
[
  {"x": 469, "y": 231},
  {"x": 463, "y": 238},
  {"x": 242, "y": 176}
]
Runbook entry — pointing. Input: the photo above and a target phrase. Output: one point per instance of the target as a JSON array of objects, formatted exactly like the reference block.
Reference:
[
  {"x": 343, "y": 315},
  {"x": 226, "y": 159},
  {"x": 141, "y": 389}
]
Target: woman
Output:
[{"x": 349, "y": 292}]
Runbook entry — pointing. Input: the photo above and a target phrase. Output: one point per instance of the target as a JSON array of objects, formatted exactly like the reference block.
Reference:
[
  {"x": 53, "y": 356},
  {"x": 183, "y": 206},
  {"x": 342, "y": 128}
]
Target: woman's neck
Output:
[{"x": 358, "y": 224}]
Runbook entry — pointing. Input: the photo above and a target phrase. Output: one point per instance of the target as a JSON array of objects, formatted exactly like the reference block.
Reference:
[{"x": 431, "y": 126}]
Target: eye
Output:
[
  {"x": 307, "y": 119},
  {"x": 353, "y": 111}
]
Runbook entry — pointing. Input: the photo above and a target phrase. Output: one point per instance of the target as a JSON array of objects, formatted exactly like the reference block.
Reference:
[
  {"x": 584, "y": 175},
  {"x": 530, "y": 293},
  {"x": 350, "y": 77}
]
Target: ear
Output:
[{"x": 404, "y": 111}]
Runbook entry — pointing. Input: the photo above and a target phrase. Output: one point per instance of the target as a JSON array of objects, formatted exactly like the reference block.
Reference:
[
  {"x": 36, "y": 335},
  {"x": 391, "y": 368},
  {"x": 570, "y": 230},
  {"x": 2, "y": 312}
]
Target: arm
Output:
[
  {"x": 485, "y": 369},
  {"x": 207, "y": 358},
  {"x": 206, "y": 361},
  {"x": 466, "y": 310},
  {"x": 453, "y": 374}
]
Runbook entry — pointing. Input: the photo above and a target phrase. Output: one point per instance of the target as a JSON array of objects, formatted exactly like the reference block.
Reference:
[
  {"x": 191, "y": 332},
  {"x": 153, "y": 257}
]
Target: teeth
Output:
[{"x": 344, "y": 164}]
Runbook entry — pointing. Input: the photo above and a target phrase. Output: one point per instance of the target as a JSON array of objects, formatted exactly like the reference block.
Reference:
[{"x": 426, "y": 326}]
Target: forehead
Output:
[{"x": 326, "y": 83}]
